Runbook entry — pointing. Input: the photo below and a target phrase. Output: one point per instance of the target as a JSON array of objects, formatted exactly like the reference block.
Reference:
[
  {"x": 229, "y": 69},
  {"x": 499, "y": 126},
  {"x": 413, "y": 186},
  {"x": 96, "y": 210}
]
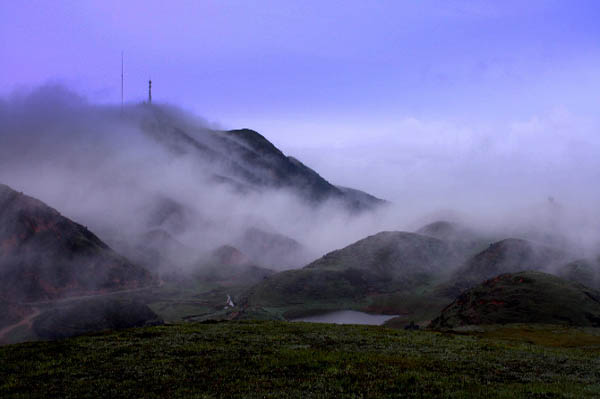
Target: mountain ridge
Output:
[{"x": 248, "y": 159}]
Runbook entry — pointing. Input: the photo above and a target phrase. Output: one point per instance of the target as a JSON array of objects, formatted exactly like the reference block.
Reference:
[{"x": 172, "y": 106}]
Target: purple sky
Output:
[{"x": 344, "y": 85}]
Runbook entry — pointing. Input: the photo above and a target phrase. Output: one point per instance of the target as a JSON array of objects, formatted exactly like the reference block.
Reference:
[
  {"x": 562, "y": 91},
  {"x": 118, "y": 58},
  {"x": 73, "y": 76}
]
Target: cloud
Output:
[
  {"x": 125, "y": 174},
  {"x": 114, "y": 173}
]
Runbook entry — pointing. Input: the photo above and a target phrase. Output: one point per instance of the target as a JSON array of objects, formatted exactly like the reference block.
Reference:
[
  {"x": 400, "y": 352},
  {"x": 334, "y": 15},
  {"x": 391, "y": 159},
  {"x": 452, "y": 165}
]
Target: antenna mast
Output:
[
  {"x": 150, "y": 91},
  {"x": 121, "y": 81}
]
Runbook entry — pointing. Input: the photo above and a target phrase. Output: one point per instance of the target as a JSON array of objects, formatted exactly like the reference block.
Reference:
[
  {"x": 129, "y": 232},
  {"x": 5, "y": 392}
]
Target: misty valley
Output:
[{"x": 138, "y": 234}]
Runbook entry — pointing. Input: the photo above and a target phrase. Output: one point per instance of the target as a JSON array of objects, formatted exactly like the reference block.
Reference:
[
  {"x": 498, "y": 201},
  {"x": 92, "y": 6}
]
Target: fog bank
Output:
[{"x": 125, "y": 173}]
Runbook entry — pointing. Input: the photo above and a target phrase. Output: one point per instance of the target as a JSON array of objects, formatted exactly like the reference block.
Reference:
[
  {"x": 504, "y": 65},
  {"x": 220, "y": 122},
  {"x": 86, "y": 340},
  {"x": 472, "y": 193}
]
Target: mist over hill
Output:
[
  {"x": 155, "y": 174},
  {"x": 165, "y": 189},
  {"x": 45, "y": 256},
  {"x": 157, "y": 168},
  {"x": 583, "y": 271},
  {"x": 510, "y": 255},
  {"x": 380, "y": 273}
]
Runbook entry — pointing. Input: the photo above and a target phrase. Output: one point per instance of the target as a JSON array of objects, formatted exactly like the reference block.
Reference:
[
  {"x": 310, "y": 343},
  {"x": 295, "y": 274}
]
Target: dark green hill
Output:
[
  {"x": 391, "y": 255},
  {"x": 93, "y": 315},
  {"x": 383, "y": 264},
  {"x": 526, "y": 297},
  {"x": 44, "y": 255}
]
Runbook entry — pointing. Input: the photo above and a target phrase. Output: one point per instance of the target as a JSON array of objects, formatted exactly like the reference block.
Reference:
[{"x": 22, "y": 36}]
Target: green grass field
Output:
[{"x": 300, "y": 360}]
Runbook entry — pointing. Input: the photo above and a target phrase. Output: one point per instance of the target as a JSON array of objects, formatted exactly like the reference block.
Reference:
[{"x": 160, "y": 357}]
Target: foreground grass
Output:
[{"x": 279, "y": 359}]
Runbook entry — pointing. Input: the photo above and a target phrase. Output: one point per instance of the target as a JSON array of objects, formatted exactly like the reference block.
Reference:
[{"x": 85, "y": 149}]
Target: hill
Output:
[
  {"x": 157, "y": 251},
  {"x": 229, "y": 266},
  {"x": 510, "y": 255},
  {"x": 526, "y": 297},
  {"x": 156, "y": 182},
  {"x": 93, "y": 315},
  {"x": 464, "y": 240},
  {"x": 582, "y": 271},
  {"x": 298, "y": 360},
  {"x": 272, "y": 249},
  {"x": 44, "y": 255},
  {"x": 359, "y": 276}
]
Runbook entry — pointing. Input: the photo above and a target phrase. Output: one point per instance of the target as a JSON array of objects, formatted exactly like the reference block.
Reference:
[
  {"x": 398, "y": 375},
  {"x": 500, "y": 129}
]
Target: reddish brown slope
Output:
[{"x": 44, "y": 255}]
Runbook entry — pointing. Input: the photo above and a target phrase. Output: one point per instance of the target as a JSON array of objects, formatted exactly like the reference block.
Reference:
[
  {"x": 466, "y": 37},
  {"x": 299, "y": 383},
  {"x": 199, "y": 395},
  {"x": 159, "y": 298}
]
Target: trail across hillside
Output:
[
  {"x": 26, "y": 321},
  {"x": 89, "y": 296}
]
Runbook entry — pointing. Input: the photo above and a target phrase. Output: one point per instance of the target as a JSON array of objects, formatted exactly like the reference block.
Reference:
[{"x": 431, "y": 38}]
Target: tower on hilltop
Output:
[{"x": 150, "y": 91}]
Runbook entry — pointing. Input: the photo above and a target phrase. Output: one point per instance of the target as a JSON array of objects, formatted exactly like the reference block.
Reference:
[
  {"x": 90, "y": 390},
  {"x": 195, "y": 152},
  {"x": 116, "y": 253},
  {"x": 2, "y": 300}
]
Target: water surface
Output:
[{"x": 347, "y": 317}]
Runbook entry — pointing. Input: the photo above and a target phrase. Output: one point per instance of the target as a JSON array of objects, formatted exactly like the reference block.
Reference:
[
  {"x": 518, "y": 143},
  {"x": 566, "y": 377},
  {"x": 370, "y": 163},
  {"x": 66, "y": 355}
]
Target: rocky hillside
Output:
[{"x": 526, "y": 297}]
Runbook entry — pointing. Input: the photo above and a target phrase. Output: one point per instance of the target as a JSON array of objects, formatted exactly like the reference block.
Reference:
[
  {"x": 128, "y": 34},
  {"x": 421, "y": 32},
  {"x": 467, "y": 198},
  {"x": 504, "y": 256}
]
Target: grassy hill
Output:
[
  {"x": 304, "y": 360},
  {"x": 526, "y": 297},
  {"x": 381, "y": 273}
]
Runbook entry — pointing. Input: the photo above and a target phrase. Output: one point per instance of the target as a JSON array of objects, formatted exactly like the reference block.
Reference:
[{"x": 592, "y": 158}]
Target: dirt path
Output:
[{"x": 26, "y": 321}]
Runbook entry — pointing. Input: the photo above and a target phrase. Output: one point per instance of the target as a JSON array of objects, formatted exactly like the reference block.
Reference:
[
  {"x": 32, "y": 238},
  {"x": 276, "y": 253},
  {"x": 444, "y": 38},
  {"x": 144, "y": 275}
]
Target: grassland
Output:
[{"x": 297, "y": 360}]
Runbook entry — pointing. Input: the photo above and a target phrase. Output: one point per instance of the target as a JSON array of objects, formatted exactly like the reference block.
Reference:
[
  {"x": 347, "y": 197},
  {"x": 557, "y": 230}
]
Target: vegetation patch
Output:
[
  {"x": 295, "y": 360},
  {"x": 526, "y": 297}
]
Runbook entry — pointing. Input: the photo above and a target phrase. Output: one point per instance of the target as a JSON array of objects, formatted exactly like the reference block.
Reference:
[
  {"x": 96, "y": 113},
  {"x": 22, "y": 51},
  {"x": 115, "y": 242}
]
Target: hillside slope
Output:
[
  {"x": 44, "y": 255},
  {"x": 382, "y": 264}
]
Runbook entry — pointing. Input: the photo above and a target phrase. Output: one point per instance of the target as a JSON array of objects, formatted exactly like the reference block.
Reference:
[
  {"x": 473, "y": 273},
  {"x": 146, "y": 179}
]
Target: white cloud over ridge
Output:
[{"x": 96, "y": 168}]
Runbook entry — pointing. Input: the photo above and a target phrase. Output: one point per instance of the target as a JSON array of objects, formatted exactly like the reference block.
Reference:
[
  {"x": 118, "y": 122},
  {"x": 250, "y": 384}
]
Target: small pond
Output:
[{"x": 347, "y": 317}]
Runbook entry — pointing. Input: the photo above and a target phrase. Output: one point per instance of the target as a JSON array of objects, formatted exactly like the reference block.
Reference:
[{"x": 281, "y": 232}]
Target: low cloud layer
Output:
[
  {"x": 123, "y": 176},
  {"x": 105, "y": 168},
  {"x": 540, "y": 171}
]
